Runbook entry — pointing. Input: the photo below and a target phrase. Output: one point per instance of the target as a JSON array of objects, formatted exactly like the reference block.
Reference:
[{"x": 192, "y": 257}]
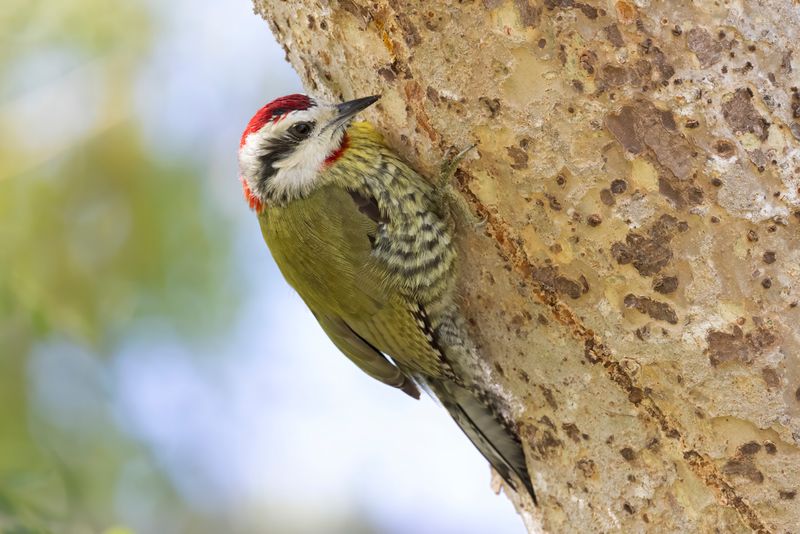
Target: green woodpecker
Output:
[{"x": 367, "y": 243}]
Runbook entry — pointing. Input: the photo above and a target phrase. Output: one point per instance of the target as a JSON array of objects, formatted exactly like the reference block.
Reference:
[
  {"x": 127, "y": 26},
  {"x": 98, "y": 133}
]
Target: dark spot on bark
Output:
[
  {"x": 553, "y": 202},
  {"x": 587, "y": 467},
  {"x": 769, "y": 256},
  {"x": 750, "y": 448},
  {"x": 492, "y": 104},
  {"x": 716, "y": 182},
  {"x": 614, "y": 36},
  {"x": 358, "y": 11},
  {"x": 770, "y": 376},
  {"x": 606, "y": 197},
  {"x": 628, "y": 508},
  {"x": 542, "y": 320},
  {"x": 660, "y": 311},
  {"x": 742, "y": 116},
  {"x": 766, "y": 283},
  {"x": 619, "y": 186},
  {"x": 627, "y": 453},
  {"x": 548, "y": 396},
  {"x": 519, "y": 156},
  {"x": 649, "y": 254},
  {"x": 643, "y": 68},
  {"x": 523, "y": 375},
  {"x": 587, "y": 60},
  {"x": 572, "y": 431},
  {"x": 636, "y": 395},
  {"x": 549, "y": 278},
  {"x": 788, "y": 495},
  {"x": 543, "y": 442},
  {"x": 736, "y": 347},
  {"x": 614, "y": 76},
  {"x": 724, "y": 148},
  {"x": 528, "y": 13},
  {"x": 665, "y": 284},
  {"x": 786, "y": 62},
  {"x": 541, "y": 43},
  {"x": 770, "y": 447},
  {"x": 594, "y": 220},
  {"x": 624, "y": 128},
  {"x": 588, "y": 351},
  {"x": 707, "y": 50},
  {"x": 387, "y": 74},
  {"x": 665, "y": 70},
  {"x": 433, "y": 21},
  {"x": 312, "y": 25},
  {"x": 641, "y": 125},
  {"x": 589, "y": 11},
  {"x": 561, "y": 180},
  {"x": 743, "y": 467},
  {"x": 410, "y": 33},
  {"x": 499, "y": 369},
  {"x": 679, "y": 192}
]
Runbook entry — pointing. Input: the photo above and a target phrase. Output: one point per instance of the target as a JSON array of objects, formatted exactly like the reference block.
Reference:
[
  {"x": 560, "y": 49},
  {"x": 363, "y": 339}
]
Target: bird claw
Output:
[
  {"x": 451, "y": 197},
  {"x": 449, "y": 166}
]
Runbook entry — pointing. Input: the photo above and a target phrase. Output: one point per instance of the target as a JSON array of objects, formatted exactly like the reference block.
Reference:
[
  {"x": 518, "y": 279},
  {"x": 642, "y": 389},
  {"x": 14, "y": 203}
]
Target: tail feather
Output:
[{"x": 498, "y": 443}]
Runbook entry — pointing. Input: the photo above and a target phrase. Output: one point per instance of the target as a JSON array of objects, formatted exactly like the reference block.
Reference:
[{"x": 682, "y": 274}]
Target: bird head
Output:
[{"x": 289, "y": 141}]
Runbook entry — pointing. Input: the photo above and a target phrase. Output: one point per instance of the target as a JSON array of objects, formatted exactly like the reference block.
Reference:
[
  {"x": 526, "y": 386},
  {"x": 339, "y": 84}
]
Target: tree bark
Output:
[{"x": 635, "y": 286}]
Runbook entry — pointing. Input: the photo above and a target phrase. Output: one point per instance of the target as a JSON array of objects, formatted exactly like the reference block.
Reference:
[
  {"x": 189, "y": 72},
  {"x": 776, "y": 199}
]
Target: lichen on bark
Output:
[{"x": 635, "y": 285}]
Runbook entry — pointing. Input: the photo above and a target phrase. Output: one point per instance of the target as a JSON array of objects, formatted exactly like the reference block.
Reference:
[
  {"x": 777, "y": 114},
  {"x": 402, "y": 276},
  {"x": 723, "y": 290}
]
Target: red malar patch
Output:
[
  {"x": 254, "y": 202},
  {"x": 336, "y": 154}
]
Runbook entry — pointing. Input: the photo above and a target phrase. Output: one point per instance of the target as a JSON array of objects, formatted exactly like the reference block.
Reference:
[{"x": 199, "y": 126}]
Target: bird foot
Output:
[{"x": 459, "y": 207}]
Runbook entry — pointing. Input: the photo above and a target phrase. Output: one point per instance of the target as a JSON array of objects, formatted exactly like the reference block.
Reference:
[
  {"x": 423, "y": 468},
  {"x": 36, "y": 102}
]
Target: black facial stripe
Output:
[
  {"x": 282, "y": 147},
  {"x": 276, "y": 150}
]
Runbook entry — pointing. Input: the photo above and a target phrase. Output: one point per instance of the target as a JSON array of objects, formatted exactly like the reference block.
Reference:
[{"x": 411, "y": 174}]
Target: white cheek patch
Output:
[{"x": 296, "y": 173}]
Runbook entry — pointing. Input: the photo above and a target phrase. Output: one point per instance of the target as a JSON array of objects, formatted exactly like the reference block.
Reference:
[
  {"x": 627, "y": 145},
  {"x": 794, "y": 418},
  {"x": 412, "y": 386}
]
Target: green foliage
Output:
[
  {"x": 102, "y": 237},
  {"x": 95, "y": 235}
]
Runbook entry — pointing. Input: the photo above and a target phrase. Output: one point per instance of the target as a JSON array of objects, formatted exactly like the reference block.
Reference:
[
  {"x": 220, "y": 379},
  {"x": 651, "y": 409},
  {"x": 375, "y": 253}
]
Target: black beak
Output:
[{"x": 347, "y": 110}]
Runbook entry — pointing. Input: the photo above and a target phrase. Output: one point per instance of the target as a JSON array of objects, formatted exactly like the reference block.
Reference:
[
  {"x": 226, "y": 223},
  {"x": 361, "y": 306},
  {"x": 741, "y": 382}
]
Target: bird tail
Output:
[{"x": 488, "y": 431}]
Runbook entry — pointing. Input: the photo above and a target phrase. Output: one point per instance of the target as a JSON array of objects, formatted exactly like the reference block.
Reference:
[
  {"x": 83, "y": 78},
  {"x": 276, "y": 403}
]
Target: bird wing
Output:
[
  {"x": 368, "y": 358},
  {"x": 323, "y": 246}
]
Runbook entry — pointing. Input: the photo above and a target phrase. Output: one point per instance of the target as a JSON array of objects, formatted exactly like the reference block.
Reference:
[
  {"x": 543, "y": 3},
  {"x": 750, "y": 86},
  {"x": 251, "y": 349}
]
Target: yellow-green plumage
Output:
[
  {"x": 323, "y": 245},
  {"x": 370, "y": 252}
]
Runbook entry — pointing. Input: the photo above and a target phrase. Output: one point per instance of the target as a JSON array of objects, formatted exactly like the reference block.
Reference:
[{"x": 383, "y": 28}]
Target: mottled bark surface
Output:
[{"x": 636, "y": 283}]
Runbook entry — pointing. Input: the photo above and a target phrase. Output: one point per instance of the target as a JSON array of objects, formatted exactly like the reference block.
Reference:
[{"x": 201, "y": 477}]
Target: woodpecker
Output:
[{"x": 367, "y": 243}]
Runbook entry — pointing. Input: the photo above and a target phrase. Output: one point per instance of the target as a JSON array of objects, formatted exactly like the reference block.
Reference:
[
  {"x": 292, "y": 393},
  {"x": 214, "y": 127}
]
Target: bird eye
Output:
[{"x": 301, "y": 129}]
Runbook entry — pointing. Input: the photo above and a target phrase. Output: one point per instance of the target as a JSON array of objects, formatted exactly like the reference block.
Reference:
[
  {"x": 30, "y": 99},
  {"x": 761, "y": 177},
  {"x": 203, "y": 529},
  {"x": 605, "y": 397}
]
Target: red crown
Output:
[{"x": 275, "y": 110}]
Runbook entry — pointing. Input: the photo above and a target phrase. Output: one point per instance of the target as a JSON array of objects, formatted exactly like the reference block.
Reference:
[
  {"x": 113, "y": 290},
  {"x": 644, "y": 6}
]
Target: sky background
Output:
[{"x": 157, "y": 375}]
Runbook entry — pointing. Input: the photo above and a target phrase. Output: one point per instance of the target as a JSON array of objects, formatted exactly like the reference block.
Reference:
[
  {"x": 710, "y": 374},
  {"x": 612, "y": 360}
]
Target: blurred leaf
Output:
[{"x": 108, "y": 236}]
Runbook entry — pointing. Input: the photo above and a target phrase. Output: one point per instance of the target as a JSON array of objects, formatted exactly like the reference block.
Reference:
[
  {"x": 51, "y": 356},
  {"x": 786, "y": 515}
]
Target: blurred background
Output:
[{"x": 156, "y": 373}]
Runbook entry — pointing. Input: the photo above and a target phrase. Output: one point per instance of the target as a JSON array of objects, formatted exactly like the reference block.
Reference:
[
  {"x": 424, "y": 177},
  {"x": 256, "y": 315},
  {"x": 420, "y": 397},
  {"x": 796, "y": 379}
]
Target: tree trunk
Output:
[{"x": 635, "y": 286}]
